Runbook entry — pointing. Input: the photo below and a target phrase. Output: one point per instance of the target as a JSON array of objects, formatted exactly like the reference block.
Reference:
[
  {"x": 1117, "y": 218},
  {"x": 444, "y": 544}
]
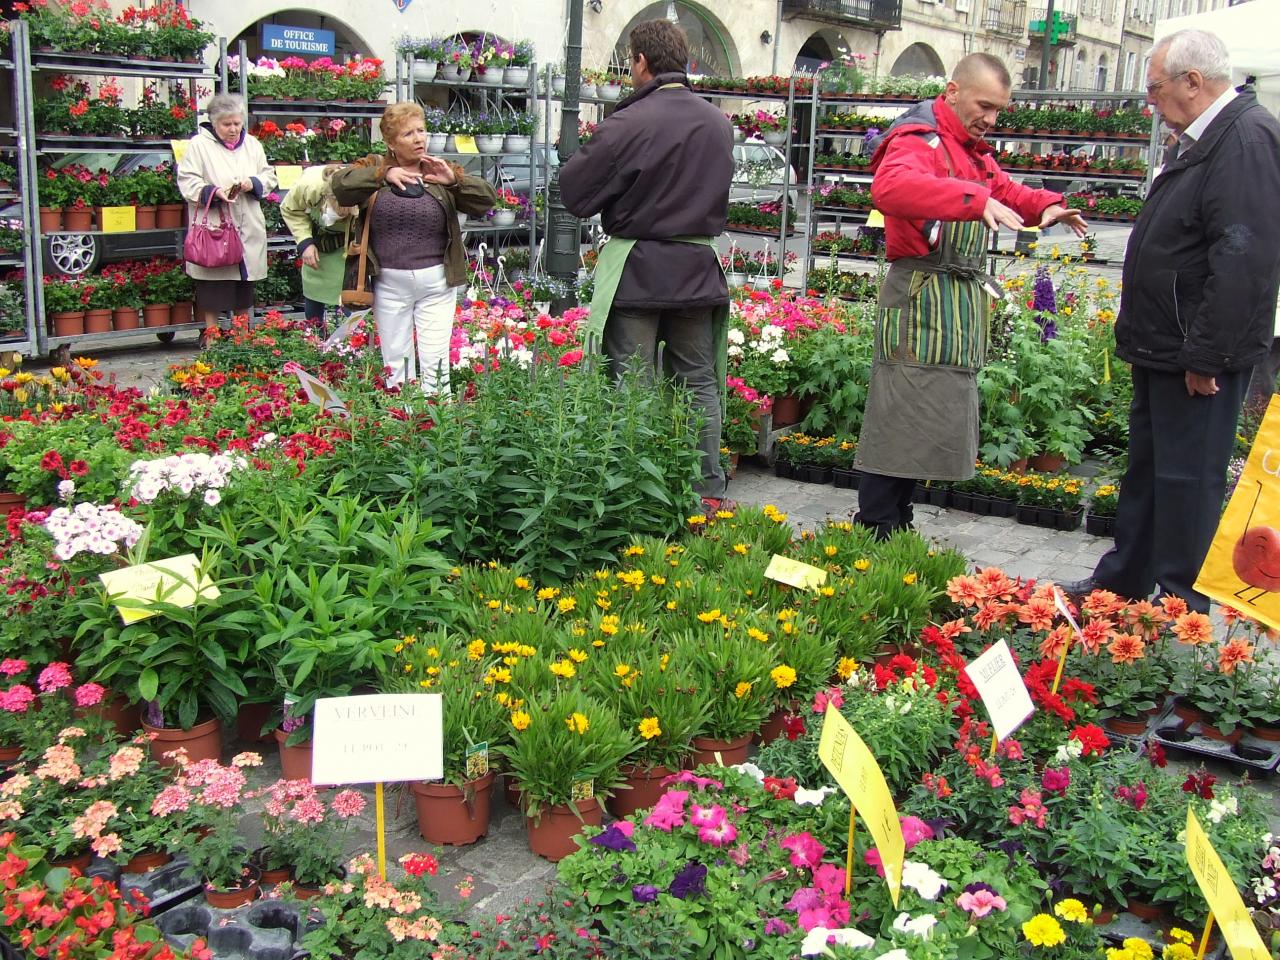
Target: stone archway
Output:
[
  {"x": 821, "y": 47},
  {"x": 711, "y": 49},
  {"x": 919, "y": 60}
]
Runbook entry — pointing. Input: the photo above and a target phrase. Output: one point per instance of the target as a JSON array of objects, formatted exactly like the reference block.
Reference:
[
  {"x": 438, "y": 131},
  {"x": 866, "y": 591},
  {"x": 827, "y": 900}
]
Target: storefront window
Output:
[{"x": 708, "y": 49}]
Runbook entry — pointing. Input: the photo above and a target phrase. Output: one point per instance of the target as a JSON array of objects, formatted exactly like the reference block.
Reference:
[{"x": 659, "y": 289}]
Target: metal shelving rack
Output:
[
  {"x": 406, "y": 84},
  {"x": 33, "y": 144},
  {"x": 20, "y": 149}
]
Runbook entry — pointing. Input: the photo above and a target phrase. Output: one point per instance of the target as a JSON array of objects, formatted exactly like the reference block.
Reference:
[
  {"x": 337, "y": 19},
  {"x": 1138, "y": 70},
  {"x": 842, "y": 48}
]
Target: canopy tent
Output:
[{"x": 1250, "y": 31}]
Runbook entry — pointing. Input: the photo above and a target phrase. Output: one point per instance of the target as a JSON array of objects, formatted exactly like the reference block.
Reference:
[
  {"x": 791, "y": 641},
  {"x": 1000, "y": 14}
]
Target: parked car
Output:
[
  {"x": 758, "y": 174},
  {"x": 76, "y": 254}
]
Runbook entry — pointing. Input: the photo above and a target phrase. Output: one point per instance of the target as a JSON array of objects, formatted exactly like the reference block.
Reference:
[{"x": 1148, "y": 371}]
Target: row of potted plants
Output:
[
  {"x": 74, "y": 108},
  {"x": 357, "y": 80},
  {"x": 503, "y": 131},
  {"x": 1069, "y": 163},
  {"x": 867, "y": 242},
  {"x": 1134, "y": 124},
  {"x": 71, "y": 197},
  {"x": 1100, "y": 207},
  {"x": 453, "y": 58},
  {"x": 775, "y": 85},
  {"x": 846, "y": 198},
  {"x": 162, "y": 31},
  {"x": 759, "y": 218},
  {"x": 333, "y": 140},
  {"x": 122, "y": 296}
]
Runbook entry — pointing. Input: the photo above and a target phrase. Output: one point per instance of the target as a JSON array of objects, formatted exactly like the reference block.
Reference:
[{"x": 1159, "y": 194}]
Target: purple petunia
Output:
[
  {"x": 614, "y": 839},
  {"x": 689, "y": 882},
  {"x": 644, "y": 893}
]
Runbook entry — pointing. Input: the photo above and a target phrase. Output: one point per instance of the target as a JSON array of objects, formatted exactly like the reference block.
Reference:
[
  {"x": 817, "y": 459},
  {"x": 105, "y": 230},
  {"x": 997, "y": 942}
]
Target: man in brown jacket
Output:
[{"x": 658, "y": 171}]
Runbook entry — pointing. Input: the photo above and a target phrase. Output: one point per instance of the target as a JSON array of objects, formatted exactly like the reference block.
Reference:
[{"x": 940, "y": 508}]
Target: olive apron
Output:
[
  {"x": 608, "y": 273},
  {"x": 921, "y": 419}
]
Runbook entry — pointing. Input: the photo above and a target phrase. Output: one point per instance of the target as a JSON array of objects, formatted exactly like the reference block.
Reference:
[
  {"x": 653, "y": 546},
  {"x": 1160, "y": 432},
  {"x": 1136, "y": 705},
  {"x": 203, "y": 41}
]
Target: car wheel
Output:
[
  {"x": 72, "y": 254},
  {"x": 167, "y": 336}
]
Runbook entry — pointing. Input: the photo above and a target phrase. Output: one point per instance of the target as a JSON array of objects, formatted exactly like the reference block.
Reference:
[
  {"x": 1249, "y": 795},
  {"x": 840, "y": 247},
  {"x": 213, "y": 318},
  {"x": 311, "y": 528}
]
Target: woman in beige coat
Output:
[{"x": 225, "y": 165}]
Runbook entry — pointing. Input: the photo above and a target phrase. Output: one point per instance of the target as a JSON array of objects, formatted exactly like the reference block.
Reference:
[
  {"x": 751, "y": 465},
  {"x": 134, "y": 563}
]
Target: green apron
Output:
[
  {"x": 922, "y": 414},
  {"x": 609, "y": 266}
]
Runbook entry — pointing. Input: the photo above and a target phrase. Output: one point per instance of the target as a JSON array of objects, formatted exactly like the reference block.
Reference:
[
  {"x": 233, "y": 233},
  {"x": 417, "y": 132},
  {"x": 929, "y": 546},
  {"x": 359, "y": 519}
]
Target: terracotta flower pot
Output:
[
  {"x": 77, "y": 220},
  {"x": 12, "y": 501},
  {"x": 295, "y": 762},
  {"x": 786, "y": 410},
  {"x": 68, "y": 323},
  {"x": 120, "y": 713},
  {"x": 1143, "y": 910},
  {"x": 452, "y": 815},
  {"x": 308, "y": 891},
  {"x": 202, "y": 742},
  {"x": 156, "y": 314},
  {"x": 169, "y": 215},
  {"x": 80, "y": 862},
  {"x": 1018, "y": 466},
  {"x": 551, "y": 834},
  {"x": 645, "y": 788},
  {"x": 247, "y": 892},
  {"x": 125, "y": 318},
  {"x": 181, "y": 312},
  {"x": 1127, "y": 726},
  {"x": 147, "y": 861},
  {"x": 250, "y": 719},
  {"x": 730, "y": 751},
  {"x": 1213, "y": 733},
  {"x": 10, "y": 754},
  {"x": 1047, "y": 462},
  {"x": 50, "y": 219},
  {"x": 1187, "y": 713},
  {"x": 277, "y": 875},
  {"x": 1268, "y": 733},
  {"x": 773, "y": 727},
  {"x": 97, "y": 321},
  {"x": 144, "y": 218},
  {"x": 512, "y": 793}
]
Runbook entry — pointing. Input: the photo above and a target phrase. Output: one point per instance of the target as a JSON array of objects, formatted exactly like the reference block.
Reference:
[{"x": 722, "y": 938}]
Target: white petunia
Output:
[
  {"x": 817, "y": 940},
  {"x": 780, "y": 356},
  {"x": 66, "y": 489},
  {"x": 212, "y": 498},
  {"x": 812, "y": 798},
  {"x": 751, "y": 770},
  {"x": 736, "y": 336},
  {"x": 921, "y": 878},
  {"x": 920, "y": 926}
]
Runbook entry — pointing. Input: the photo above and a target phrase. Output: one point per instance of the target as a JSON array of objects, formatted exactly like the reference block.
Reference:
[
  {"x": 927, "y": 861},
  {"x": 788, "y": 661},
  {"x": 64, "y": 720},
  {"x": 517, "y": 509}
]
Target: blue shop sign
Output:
[{"x": 299, "y": 41}]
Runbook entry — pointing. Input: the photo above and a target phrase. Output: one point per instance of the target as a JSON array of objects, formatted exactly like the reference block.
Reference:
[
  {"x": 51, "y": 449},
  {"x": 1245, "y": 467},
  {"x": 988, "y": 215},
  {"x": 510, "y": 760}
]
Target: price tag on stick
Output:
[{"x": 1000, "y": 685}]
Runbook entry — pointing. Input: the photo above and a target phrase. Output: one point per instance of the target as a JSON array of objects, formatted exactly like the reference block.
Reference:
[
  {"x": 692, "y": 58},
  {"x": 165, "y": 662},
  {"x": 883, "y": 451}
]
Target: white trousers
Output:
[{"x": 415, "y": 302}]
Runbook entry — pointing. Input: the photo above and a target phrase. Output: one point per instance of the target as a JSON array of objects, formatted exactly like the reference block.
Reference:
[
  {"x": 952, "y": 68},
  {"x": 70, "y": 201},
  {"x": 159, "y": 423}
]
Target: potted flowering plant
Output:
[
  {"x": 122, "y": 827},
  {"x": 736, "y": 263},
  {"x": 212, "y": 796},
  {"x": 455, "y": 59},
  {"x": 46, "y": 803},
  {"x": 47, "y": 911},
  {"x": 772, "y": 127},
  {"x": 367, "y": 915},
  {"x": 565, "y": 752},
  {"x": 654, "y": 696},
  {"x": 1102, "y": 510},
  {"x": 731, "y": 675},
  {"x": 506, "y": 208},
  {"x": 473, "y": 681},
  {"x": 304, "y": 835}
]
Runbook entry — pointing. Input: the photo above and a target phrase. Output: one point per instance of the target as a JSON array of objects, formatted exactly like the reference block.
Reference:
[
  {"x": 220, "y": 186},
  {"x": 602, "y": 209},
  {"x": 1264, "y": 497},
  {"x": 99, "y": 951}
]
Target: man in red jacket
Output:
[{"x": 941, "y": 192}]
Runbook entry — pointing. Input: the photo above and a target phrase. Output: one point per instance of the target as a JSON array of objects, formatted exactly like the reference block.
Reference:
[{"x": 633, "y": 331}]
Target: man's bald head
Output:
[
  {"x": 977, "y": 92},
  {"x": 977, "y": 67}
]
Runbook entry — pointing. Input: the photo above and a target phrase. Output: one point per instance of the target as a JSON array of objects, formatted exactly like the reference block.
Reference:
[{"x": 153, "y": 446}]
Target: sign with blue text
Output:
[{"x": 299, "y": 41}]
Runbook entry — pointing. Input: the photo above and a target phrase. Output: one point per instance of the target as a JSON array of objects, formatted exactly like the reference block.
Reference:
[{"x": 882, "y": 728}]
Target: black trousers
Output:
[
  {"x": 1171, "y": 494},
  {"x": 884, "y": 503}
]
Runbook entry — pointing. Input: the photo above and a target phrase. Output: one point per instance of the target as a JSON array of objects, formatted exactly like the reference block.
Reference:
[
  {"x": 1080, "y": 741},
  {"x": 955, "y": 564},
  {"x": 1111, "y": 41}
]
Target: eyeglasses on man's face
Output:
[{"x": 1153, "y": 87}]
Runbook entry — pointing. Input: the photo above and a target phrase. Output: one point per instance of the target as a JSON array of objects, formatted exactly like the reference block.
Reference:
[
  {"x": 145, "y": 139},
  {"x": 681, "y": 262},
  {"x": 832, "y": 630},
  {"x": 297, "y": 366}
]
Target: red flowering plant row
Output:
[
  {"x": 161, "y": 31},
  {"x": 51, "y": 912}
]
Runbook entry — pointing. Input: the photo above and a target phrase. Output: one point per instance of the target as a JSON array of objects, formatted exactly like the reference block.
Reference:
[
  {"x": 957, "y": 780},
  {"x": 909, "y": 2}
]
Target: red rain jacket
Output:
[{"x": 914, "y": 190}]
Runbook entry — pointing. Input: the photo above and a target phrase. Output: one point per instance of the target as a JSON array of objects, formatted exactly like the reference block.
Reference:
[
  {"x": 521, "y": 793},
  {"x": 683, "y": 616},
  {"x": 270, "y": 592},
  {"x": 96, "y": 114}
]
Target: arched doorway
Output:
[
  {"x": 815, "y": 52},
  {"x": 347, "y": 42},
  {"x": 918, "y": 60},
  {"x": 711, "y": 51},
  {"x": 1101, "y": 79}
]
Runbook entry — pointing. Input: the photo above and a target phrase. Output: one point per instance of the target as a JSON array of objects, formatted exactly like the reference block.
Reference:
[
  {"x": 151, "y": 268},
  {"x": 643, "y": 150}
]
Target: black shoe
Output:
[{"x": 1080, "y": 588}]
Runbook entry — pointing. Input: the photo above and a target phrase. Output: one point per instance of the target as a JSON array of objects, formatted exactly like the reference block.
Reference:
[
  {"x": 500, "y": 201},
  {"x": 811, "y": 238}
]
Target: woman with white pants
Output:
[{"x": 416, "y": 256}]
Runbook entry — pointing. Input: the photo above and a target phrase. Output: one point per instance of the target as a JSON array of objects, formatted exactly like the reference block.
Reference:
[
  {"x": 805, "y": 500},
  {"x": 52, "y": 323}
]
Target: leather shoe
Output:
[{"x": 1080, "y": 588}]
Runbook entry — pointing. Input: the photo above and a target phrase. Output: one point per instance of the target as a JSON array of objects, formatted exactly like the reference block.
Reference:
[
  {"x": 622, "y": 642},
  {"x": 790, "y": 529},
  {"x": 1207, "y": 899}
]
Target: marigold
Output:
[
  {"x": 578, "y": 723},
  {"x": 566, "y": 604},
  {"x": 757, "y": 634},
  {"x": 621, "y": 670},
  {"x": 846, "y": 667},
  {"x": 521, "y": 720},
  {"x": 1071, "y": 909},
  {"x": 563, "y": 669},
  {"x": 475, "y": 649},
  {"x": 1043, "y": 931},
  {"x": 783, "y": 676},
  {"x": 909, "y": 579},
  {"x": 742, "y": 689},
  {"x": 649, "y": 728},
  {"x": 862, "y": 565},
  {"x": 578, "y": 656}
]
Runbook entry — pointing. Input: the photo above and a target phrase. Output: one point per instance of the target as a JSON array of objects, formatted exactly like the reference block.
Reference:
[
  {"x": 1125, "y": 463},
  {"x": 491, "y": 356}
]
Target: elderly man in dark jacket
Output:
[
  {"x": 1196, "y": 314},
  {"x": 659, "y": 171}
]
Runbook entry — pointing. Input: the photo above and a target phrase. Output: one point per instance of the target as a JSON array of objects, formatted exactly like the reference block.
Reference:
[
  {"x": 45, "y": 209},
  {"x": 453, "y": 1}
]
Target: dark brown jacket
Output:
[
  {"x": 471, "y": 195},
  {"x": 660, "y": 166}
]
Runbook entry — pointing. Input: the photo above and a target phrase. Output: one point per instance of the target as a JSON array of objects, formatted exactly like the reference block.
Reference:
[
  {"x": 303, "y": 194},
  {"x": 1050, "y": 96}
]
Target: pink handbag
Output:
[{"x": 218, "y": 246}]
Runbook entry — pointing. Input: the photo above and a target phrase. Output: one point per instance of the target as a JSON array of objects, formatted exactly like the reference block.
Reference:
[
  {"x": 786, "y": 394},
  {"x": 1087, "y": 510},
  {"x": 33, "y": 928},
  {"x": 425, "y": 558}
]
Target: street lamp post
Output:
[
  {"x": 564, "y": 245},
  {"x": 1046, "y": 47}
]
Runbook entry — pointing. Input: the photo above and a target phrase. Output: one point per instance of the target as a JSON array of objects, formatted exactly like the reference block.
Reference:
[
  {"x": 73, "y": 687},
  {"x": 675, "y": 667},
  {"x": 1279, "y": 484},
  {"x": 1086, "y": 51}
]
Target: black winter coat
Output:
[
  {"x": 1203, "y": 262},
  {"x": 659, "y": 166}
]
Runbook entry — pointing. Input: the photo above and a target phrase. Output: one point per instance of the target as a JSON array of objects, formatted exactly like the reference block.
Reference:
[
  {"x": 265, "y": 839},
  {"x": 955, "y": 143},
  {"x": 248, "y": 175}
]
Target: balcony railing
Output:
[
  {"x": 886, "y": 14},
  {"x": 1005, "y": 18}
]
